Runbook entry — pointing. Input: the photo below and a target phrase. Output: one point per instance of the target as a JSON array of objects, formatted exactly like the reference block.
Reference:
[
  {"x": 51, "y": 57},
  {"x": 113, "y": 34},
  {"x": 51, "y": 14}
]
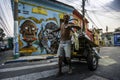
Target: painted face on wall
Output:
[
  {"x": 29, "y": 32},
  {"x": 49, "y": 40}
]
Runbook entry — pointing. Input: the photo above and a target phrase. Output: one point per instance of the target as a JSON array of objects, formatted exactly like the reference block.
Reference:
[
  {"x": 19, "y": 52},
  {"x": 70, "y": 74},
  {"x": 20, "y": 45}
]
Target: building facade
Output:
[
  {"x": 108, "y": 39},
  {"x": 116, "y": 38},
  {"x": 36, "y": 20}
]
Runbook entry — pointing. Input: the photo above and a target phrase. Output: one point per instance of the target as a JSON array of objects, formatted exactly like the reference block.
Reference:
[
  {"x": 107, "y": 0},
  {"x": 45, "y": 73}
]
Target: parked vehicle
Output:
[
  {"x": 85, "y": 49},
  {"x": 3, "y": 47}
]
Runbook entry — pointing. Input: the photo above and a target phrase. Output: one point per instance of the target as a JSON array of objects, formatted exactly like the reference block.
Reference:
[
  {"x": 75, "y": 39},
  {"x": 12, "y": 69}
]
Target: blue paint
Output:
[
  {"x": 41, "y": 26},
  {"x": 16, "y": 47},
  {"x": 50, "y": 4},
  {"x": 117, "y": 39}
]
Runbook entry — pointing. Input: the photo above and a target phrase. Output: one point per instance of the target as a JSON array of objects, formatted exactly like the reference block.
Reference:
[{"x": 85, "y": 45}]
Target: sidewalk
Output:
[
  {"x": 31, "y": 58},
  {"x": 7, "y": 57}
]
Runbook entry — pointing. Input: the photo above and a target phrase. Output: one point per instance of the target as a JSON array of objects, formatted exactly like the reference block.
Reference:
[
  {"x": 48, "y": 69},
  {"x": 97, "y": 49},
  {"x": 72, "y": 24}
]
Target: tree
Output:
[
  {"x": 2, "y": 34},
  {"x": 117, "y": 29}
]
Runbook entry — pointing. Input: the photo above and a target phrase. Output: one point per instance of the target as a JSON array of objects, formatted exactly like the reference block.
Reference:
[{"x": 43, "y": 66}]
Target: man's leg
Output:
[
  {"x": 60, "y": 57},
  {"x": 67, "y": 49},
  {"x": 69, "y": 65},
  {"x": 60, "y": 64}
]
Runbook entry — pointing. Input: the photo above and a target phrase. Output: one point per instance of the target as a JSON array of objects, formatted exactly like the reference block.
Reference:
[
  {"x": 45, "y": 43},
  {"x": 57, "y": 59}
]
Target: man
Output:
[{"x": 64, "y": 49}]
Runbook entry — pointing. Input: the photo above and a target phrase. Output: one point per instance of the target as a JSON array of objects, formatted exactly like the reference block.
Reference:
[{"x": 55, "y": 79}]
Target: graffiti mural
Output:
[
  {"x": 49, "y": 40},
  {"x": 28, "y": 32},
  {"x": 36, "y": 26},
  {"x": 40, "y": 41}
]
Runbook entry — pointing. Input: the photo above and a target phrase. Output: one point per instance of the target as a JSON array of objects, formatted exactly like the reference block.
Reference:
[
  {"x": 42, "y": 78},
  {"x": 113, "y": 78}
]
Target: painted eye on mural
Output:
[
  {"x": 33, "y": 28},
  {"x": 26, "y": 27}
]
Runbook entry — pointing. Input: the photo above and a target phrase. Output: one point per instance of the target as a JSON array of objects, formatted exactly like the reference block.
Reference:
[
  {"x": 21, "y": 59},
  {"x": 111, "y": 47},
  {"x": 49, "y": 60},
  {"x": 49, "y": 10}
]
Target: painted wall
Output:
[
  {"x": 90, "y": 34},
  {"x": 36, "y": 19},
  {"x": 78, "y": 16},
  {"x": 108, "y": 39},
  {"x": 117, "y": 39},
  {"x": 96, "y": 36}
]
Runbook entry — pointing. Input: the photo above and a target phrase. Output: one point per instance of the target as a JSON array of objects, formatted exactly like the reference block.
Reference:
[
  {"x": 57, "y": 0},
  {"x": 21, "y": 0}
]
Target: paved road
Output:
[{"x": 109, "y": 69}]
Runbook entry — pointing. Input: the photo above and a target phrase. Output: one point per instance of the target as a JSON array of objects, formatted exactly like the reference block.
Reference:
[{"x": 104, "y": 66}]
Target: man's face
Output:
[{"x": 66, "y": 17}]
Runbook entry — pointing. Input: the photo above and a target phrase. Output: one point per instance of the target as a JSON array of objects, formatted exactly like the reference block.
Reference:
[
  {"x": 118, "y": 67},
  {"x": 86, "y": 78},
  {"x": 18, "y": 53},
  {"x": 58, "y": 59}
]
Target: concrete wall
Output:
[{"x": 36, "y": 19}]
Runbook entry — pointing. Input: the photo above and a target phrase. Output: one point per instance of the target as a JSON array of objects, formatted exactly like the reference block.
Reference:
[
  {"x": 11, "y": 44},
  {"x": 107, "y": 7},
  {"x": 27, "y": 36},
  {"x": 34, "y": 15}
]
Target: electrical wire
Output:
[
  {"x": 101, "y": 5},
  {"x": 74, "y": 3},
  {"x": 107, "y": 6},
  {"x": 102, "y": 11},
  {"x": 114, "y": 18},
  {"x": 88, "y": 17},
  {"x": 105, "y": 16},
  {"x": 91, "y": 19}
]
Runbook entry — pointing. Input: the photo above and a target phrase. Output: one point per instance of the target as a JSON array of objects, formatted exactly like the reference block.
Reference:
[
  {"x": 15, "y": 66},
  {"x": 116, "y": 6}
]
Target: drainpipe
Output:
[
  {"x": 16, "y": 45},
  {"x": 83, "y": 15}
]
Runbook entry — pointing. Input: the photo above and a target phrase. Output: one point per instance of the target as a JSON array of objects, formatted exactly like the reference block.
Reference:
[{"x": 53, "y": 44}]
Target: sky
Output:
[
  {"x": 6, "y": 17},
  {"x": 100, "y": 13}
]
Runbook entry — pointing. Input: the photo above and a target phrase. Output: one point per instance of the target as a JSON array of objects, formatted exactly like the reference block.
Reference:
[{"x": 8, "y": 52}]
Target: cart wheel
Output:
[{"x": 92, "y": 61}]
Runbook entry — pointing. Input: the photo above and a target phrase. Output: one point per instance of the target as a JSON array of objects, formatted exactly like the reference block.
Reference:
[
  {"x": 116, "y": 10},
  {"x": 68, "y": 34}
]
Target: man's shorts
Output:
[{"x": 64, "y": 49}]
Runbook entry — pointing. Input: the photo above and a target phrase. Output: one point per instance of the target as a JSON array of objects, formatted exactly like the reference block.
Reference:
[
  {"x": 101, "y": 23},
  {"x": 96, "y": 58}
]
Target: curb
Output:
[{"x": 29, "y": 60}]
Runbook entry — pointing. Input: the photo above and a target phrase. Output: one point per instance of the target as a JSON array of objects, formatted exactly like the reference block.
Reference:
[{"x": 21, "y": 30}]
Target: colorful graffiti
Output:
[
  {"x": 35, "y": 27},
  {"x": 29, "y": 31},
  {"x": 36, "y": 41},
  {"x": 49, "y": 40}
]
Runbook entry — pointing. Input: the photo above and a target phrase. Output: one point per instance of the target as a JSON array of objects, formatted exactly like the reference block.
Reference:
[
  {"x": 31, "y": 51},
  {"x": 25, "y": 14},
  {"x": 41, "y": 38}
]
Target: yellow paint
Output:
[
  {"x": 20, "y": 42},
  {"x": 28, "y": 50},
  {"x": 36, "y": 20},
  {"x": 74, "y": 53},
  {"x": 22, "y": 2},
  {"x": 77, "y": 22},
  {"x": 16, "y": 1},
  {"x": 32, "y": 18},
  {"x": 39, "y": 10},
  {"x": 40, "y": 21},
  {"x": 21, "y": 18},
  {"x": 54, "y": 19},
  {"x": 96, "y": 37},
  {"x": 61, "y": 15}
]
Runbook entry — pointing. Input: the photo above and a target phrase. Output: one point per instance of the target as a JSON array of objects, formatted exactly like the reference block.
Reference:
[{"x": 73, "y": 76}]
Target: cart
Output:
[{"x": 85, "y": 49}]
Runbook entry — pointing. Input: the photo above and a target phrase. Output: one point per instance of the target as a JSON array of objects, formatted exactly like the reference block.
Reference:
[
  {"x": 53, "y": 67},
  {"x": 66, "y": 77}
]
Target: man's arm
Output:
[{"x": 56, "y": 30}]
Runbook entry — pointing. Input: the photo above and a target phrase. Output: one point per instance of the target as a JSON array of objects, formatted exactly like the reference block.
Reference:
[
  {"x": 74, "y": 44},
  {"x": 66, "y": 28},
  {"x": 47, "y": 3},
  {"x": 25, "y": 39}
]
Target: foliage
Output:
[{"x": 117, "y": 29}]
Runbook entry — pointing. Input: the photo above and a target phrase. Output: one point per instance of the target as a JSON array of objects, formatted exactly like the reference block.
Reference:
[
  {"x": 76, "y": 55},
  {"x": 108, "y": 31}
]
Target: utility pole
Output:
[
  {"x": 83, "y": 15},
  {"x": 16, "y": 46},
  {"x": 106, "y": 29}
]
